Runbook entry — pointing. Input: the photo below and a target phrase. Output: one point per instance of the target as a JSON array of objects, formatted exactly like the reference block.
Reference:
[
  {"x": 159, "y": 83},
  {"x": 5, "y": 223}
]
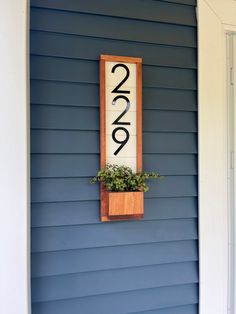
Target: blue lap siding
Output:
[{"x": 80, "y": 265}]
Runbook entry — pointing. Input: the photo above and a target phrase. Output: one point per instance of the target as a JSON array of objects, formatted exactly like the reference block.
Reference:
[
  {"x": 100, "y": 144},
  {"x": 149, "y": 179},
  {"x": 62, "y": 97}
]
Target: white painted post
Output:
[
  {"x": 213, "y": 228},
  {"x": 14, "y": 173}
]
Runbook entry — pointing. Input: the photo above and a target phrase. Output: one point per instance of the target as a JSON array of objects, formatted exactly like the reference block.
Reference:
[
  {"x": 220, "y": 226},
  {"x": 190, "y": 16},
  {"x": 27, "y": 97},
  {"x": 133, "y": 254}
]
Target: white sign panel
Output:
[
  {"x": 121, "y": 88},
  {"x": 121, "y": 114}
]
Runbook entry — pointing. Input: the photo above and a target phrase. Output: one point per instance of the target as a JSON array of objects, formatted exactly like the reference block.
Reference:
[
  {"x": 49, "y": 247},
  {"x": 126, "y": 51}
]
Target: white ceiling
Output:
[{"x": 224, "y": 9}]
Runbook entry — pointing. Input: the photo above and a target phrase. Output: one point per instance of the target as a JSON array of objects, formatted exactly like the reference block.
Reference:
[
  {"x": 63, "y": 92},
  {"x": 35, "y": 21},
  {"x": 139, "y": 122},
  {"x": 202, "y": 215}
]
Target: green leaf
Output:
[{"x": 121, "y": 178}]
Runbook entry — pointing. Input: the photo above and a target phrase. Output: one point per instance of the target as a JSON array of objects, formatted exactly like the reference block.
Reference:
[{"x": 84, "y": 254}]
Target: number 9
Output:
[{"x": 121, "y": 142}]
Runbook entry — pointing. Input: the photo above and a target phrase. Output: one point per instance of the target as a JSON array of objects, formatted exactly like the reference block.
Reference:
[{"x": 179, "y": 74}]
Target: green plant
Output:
[{"x": 122, "y": 179}]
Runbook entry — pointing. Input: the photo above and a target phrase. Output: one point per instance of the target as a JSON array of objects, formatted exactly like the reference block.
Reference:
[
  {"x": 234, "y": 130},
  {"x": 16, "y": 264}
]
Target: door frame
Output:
[
  {"x": 215, "y": 19},
  {"x": 231, "y": 93}
]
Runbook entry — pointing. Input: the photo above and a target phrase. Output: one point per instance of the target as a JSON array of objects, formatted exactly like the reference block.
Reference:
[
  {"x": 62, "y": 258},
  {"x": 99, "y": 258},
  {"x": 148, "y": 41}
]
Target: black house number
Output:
[{"x": 122, "y": 94}]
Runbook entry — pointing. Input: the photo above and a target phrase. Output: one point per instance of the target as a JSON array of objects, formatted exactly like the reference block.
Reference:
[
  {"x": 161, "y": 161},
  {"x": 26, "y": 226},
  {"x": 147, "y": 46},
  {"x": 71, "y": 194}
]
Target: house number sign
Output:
[{"x": 121, "y": 111}]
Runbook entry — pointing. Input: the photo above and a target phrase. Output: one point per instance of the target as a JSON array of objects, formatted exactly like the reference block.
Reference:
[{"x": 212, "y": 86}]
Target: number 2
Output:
[
  {"x": 116, "y": 89},
  {"x": 117, "y": 120}
]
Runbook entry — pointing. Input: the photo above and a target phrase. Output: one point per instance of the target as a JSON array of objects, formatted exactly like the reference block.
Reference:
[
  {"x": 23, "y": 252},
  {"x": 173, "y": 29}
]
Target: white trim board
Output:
[
  {"x": 214, "y": 17},
  {"x": 14, "y": 178},
  {"x": 231, "y": 50}
]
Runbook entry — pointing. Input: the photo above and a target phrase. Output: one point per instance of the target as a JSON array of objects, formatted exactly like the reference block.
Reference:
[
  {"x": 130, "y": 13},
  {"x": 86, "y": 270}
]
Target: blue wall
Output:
[{"x": 79, "y": 265}]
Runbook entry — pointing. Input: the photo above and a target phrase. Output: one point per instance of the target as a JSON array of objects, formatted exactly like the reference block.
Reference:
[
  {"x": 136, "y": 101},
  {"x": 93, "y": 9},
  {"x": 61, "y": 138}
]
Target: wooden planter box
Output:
[{"x": 124, "y": 205}]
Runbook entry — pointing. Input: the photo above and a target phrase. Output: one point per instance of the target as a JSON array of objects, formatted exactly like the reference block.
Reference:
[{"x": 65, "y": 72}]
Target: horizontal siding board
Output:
[
  {"x": 155, "y": 11},
  {"x": 87, "y": 212},
  {"x": 64, "y": 93},
  {"x": 169, "y": 77},
  {"x": 112, "y": 281},
  {"x": 187, "y": 2},
  {"x": 67, "y": 70},
  {"x": 64, "y": 118},
  {"x": 75, "y": 189},
  {"x": 123, "y": 303},
  {"x": 82, "y": 118},
  {"x": 167, "y": 121},
  {"x": 78, "y": 47},
  {"x": 64, "y": 141},
  {"x": 53, "y": 166},
  {"x": 169, "y": 99},
  {"x": 173, "y": 186},
  {"x": 84, "y": 260},
  {"x": 112, "y": 27},
  {"x": 186, "y": 309},
  {"x": 84, "y": 265},
  {"x": 171, "y": 164},
  {"x": 169, "y": 143},
  {"x": 87, "y": 95},
  {"x": 65, "y": 213},
  {"x": 117, "y": 233},
  {"x": 81, "y": 71},
  {"x": 63, "y": 189}
]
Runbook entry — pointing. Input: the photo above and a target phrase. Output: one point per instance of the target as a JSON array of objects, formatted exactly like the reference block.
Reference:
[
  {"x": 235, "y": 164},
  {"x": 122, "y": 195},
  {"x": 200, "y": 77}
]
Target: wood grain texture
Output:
[
  {"x": 124, "y": 204},
  {"x": 120, "y": 59},
  {"x": 102, "y": 133},
  {"x": 124, "y": 208},
  {"x": 139, "y": 117},
  {"x": 102, "y": 114}
]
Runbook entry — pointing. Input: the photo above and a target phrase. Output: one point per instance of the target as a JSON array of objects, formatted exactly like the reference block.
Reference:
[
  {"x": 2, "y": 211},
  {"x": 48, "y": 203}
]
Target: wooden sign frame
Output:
[{"x": 138, "y": 62}]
